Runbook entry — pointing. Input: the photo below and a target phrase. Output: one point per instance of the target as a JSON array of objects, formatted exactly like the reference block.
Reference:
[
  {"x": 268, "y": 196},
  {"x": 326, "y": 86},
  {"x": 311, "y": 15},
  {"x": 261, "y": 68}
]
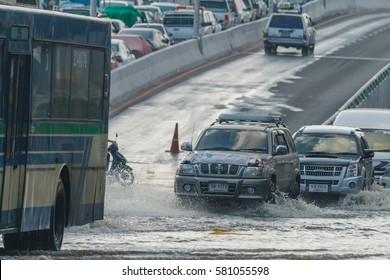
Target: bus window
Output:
[
  {"x": 61, "y": 82},
  {"x": 41, "y": 81},
  {"x": 96, "y": 85},
  {"x": 79, "y": 83}
]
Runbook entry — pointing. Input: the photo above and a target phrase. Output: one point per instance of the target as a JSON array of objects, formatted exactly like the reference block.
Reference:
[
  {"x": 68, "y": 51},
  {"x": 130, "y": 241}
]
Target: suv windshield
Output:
[
  {"x": 286, "y": 22},
  {"x": 232, "y": 139},
  {"x": 326, "y": 143}
]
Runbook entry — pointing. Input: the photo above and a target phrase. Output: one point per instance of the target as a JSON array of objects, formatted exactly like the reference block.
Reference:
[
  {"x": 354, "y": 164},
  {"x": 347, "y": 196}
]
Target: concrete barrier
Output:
[{"x": 130, "y": 80}]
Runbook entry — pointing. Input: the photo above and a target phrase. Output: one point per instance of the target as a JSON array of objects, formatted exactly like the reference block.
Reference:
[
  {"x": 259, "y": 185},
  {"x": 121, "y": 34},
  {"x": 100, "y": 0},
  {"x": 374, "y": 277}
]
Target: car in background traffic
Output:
[
  {"x": 156, "y": 39},
  {"x": 158, "y": 26},
  {"x": 334, "y": 160},
  {"x": 289, "y": 29},
  {"x": 250, "y": 8},
  {"x": 241, "y": 14},
  {"x": 260, "y": 8},
  {"x": 78, "y": 9},
  {"x": 113, "y": 63},
  {"x": 121, "y": 3},
  {"x": 155, "y": 10},
  {"x": 375, "y": 123},
  {"x": 165, "y": 6},
  {"x": 221, "y": 10},
  {"x": 117, "y": 25},
  {"x": 216, "y": 26},
  {"x": 180, "y": 22},
  {"x": 123, "y": 54},
  {"x": 240, "y": 157},
  {"x": 139, "y": 46}
]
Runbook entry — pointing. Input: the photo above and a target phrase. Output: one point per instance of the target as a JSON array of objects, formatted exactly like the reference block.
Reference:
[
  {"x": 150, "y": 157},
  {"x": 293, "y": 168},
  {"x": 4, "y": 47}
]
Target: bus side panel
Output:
[{"x": 88, "y": 186}]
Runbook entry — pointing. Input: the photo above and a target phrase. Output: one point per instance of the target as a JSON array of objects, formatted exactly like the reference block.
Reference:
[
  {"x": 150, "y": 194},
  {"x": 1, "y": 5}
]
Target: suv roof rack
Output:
[{"x": 271, "y": 119}]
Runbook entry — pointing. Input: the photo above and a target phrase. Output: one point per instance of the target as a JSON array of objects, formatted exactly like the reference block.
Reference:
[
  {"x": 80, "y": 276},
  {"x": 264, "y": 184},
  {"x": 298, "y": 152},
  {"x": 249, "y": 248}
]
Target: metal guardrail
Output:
[{"x": 375, "y": 94}]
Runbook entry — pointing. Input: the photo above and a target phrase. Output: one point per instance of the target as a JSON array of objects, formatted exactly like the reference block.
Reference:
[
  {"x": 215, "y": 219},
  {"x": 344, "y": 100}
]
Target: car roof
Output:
[
  {"x": 328, "y": 129},
  {"x": 364, "y": 118}
]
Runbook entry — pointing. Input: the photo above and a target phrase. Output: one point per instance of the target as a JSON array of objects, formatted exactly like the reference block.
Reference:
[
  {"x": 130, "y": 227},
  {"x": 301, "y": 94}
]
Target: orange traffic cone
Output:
[{"x": 175, "y": 141}]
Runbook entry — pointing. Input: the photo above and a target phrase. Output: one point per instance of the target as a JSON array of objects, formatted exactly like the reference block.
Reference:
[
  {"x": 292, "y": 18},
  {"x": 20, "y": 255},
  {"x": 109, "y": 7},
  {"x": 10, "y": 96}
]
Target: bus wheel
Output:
[{"x": 52, "y": 238}]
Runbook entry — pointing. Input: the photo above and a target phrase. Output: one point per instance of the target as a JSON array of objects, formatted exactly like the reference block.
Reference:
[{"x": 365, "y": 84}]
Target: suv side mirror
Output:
[
  {"x": 186, "y": 146},
  {"x": 281, "y": 150},
  {"x": 368, "y": 153}
]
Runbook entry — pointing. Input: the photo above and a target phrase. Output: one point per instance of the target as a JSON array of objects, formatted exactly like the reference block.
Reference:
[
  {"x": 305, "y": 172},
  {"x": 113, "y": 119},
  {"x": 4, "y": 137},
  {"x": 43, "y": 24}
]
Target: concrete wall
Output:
[{"x": 130, "y": 80}]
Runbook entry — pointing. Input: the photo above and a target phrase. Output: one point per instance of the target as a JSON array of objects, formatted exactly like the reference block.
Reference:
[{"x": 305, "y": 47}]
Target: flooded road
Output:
[{"x": 147, "y": 222}]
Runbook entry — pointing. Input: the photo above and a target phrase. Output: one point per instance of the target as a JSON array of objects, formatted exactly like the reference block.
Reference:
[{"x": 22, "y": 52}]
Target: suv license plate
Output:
[
  {"x": 285, "y": 33},
  {"x": 218, "y": 187},
  {"x": 318, "y": 188}
]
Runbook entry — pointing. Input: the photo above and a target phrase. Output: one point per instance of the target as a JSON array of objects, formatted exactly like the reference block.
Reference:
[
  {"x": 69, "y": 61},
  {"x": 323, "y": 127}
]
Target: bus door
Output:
[{"x": 16, "y": 132}]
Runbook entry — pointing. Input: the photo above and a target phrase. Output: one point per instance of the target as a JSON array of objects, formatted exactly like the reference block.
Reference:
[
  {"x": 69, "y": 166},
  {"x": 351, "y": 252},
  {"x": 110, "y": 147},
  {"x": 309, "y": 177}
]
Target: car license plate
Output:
[
  {"x": 218, "y": 187},
  {"x": 318, "y": 188},
  {"x": 285, "y": 33}
]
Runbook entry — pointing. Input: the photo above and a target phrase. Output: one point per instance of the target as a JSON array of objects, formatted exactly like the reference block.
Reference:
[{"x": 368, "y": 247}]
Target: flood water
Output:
[{"x": 147, "y": 222}]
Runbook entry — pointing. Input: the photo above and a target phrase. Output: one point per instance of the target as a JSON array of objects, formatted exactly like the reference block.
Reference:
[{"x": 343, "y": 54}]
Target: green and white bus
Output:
[{"x": 54, "y": 92}]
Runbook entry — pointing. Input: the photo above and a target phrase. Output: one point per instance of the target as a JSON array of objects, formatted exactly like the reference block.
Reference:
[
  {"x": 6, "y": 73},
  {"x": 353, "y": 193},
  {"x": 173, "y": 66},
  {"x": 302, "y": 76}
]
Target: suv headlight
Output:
[
  {"x": 352, "y": 170},
  {"x": 185, "y": 169},
  {"x": 253, "y": 171}
]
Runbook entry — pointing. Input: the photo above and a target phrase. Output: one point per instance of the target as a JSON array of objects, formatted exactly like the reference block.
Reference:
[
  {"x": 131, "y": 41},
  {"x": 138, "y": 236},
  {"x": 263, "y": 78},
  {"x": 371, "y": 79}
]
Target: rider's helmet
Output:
[{"x": 113, "y": 148}]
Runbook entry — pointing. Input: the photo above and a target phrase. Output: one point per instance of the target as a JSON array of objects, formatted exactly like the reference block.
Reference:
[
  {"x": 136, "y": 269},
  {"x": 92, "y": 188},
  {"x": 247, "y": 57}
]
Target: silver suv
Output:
[
  {"x": 180, "y": 23},
  {"x": 240, "y": 157},
  {"x": 289, "y": 29},
  {"x": 333, "y": 159}
]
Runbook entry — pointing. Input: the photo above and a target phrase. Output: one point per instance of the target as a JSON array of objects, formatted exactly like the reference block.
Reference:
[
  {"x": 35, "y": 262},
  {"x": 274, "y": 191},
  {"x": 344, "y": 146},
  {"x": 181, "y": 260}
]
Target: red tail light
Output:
[
  {"x": 226, "y": 18},
  {"x": 265, "y": 33},
  {"x": 305, "y": 37}
]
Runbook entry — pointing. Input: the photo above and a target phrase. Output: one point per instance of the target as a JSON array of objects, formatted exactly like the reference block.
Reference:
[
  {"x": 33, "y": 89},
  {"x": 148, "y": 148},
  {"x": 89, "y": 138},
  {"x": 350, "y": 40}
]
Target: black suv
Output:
[{"x": 240, "y": 157}]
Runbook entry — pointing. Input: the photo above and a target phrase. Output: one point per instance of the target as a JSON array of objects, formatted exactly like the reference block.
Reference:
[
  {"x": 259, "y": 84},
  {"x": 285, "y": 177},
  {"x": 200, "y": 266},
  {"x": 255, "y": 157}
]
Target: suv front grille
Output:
[
  {"x": 321, "y": 170},
  {"x": 219, "y": 168}
]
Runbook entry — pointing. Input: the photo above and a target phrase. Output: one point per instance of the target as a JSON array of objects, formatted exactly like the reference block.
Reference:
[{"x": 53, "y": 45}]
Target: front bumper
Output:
[
  {"x": 346, "y": 186},
  {"x": 236, "y": 188}
]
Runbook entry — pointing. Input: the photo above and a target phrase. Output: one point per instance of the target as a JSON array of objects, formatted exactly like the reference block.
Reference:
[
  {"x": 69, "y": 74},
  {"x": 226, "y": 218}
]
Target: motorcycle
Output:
[{"x": 119, "y": 170}]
